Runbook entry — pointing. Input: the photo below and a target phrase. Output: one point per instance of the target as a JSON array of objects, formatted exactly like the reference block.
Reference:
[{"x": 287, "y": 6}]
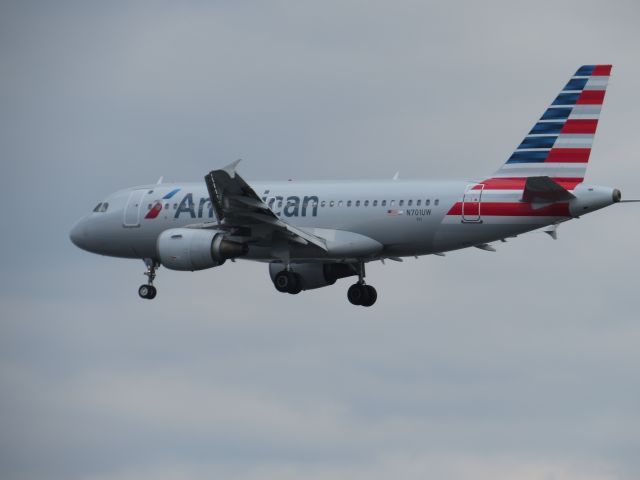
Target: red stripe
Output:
[
  {"x": 517, "y": 183},
  {"x": 515, "y": 209},
  {"x": 569, "y": 155},
  {"x": 602, "y": 71},
  {"x": 591, "y": 97},
  {"x": 580, "y": 126},
  {"x": 155, "y": 210}
]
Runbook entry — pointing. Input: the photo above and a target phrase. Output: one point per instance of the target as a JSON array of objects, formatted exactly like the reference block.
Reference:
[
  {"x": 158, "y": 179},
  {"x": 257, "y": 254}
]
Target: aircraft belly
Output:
[{"x": 454, "y": 234}]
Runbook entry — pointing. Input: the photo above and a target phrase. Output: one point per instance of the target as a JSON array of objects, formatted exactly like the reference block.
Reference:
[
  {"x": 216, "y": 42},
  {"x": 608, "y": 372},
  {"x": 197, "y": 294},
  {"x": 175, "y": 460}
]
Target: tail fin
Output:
[{"x": 559, "y": 144}]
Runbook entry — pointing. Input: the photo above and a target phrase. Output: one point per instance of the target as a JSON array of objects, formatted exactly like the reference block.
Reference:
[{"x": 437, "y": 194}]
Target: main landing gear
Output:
[
  {"x": 360, "y": 293},
  {"x": 288, "y": 282},
  {"x": 148, "y": 291}
]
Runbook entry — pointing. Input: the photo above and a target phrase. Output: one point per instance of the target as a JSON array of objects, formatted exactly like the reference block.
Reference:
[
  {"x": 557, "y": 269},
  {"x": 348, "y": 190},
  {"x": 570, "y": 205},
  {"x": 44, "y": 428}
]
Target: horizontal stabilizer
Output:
[{"x": 544, "y": 190}]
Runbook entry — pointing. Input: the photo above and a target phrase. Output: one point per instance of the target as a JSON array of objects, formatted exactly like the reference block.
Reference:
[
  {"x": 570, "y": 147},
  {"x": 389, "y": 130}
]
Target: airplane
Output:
[{"x": 312, "y": 233}]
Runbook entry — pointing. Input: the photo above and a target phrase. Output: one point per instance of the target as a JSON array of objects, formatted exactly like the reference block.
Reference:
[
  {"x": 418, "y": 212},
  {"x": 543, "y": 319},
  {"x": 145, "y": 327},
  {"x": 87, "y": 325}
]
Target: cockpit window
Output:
[{"x": 101, "y": 207}]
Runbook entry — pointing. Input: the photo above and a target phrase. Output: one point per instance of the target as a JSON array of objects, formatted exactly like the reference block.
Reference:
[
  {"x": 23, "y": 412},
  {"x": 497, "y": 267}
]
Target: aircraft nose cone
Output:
[{"x": 77, "y": 235}]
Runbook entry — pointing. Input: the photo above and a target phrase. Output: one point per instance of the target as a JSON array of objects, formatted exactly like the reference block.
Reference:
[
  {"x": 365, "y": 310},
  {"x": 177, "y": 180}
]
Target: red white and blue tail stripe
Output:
[{"x": 559, "y": 144}]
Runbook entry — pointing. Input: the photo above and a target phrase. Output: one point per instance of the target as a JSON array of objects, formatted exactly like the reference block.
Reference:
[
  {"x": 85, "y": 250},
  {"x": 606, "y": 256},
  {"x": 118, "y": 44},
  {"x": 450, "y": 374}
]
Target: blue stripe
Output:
[
  {"x": 538, "y": 142},
  {"x": 585, "y": 71},
  {"x": 576, "y": 84},
  {"x": 566, "y": 99},
  {"x": 528, "y": 157},
  {"x": 547, "y": 128},
  {"x": 556, "y": 114},
  {"x": 171, "y": 193}
]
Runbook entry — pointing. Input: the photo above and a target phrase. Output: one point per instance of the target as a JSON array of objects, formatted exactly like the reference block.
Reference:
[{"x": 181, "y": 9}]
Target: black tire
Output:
[
  {"x": 288, "y": 282},
  {"x": 143, "y": 291},
  {"x": 371, "y": 296},
  {"x": 295, "y": 283},
  {"x": 152, "y": 292},
  {"x": 356, "y": 294},
  {"x": 282, "y": 281}
]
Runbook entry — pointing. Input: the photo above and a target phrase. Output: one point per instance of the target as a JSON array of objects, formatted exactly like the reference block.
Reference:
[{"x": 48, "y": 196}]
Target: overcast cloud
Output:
[{"x": 516, "y": 364}]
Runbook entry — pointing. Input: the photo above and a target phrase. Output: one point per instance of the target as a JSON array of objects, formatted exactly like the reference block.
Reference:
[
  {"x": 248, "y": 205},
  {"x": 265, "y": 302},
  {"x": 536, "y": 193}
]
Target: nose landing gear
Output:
[{"x": 148, "y": 291}]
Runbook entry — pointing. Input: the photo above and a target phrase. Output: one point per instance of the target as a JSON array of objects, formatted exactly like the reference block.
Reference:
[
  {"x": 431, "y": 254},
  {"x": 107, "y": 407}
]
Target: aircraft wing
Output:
[{"x": 237, "y": 205}]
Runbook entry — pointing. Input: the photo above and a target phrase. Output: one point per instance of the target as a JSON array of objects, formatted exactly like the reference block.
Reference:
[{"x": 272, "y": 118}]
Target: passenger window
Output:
[
  {"x": 366, "y": 203},
  {"x": 392, "y": 203},
  {"x": 331, "y": 203},
  {"x": 348, "y": 203},
  {"x": 384, "y": 203},
  {"x": 97, "y": 209},
  {"x": 375, "y": 203},
  {"x": 400, "y": 203},
  {"x": 357, "y": 203},
  {"x": 418, "y": 202},
  {"x": 340, "y": 203},
  {"x": 436, "y": 202},
  {"x": 175, "y": 206},
  {"x": 409, "y": 202},
  {"x": 427, "y": 202},
  {"x": 166, "y": 205},
  {"x": 279, "y": 203},
  {"x": 323, "y": 203}
]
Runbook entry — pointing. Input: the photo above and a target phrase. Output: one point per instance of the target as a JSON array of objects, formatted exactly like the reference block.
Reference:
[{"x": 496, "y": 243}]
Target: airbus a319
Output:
[{"x": 313, "y": 233}]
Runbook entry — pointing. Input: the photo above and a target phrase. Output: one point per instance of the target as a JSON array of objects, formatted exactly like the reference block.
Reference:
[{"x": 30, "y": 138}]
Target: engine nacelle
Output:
[
  {"x": 190, "y": 249},
  {"x": 315, "y": 275}
]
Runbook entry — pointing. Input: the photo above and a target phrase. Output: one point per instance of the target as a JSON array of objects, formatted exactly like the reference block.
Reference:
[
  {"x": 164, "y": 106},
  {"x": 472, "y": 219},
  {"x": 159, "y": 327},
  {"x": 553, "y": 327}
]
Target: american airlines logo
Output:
[
  {"x": 157, "y": 205},
  {"x": 291, "y": 206}
]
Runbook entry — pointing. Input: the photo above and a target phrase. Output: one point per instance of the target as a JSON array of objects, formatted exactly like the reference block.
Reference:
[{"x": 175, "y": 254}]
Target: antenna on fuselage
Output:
[
  {"x": 160, "y": 180},
  {"x": 395, "y": 177}
]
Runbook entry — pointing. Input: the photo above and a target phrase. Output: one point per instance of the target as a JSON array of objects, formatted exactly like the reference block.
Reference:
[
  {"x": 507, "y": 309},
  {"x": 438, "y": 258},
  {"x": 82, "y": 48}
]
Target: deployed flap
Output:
[
  {"x": 544, "y": 190},
  {"x": 237, "y": 205}
]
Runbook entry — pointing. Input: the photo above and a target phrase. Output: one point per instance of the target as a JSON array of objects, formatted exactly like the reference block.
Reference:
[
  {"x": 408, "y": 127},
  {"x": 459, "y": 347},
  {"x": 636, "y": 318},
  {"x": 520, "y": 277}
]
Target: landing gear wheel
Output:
[
  {"x": 356, "y": 293},
  {"x": 147, "y": 291},
  {"x": 361, "y": 294},
  {"x": 152, "y": 292},
  {"x": 288, "y": 282},
  {"x": 371, "y": 296}
]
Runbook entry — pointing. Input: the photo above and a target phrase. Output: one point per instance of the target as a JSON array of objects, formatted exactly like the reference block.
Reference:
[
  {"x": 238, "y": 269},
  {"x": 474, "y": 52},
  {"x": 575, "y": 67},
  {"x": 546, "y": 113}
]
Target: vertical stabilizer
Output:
[{"x": 559, "y": 144}]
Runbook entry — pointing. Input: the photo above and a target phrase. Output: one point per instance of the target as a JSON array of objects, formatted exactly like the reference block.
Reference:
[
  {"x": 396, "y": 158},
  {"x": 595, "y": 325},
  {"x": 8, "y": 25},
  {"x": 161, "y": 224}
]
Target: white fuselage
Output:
[{"x": 406, "y": 217}]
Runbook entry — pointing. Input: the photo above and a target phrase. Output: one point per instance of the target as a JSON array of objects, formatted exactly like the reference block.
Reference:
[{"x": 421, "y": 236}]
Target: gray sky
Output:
[{"x": 519, "y": 364}]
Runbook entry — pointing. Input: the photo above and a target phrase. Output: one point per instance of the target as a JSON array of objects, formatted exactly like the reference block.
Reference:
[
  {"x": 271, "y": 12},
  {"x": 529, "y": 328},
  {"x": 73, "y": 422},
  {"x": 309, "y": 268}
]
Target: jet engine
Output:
[
  {"x": 314, "y": 275},
  {"x": 190, "y": 249}
]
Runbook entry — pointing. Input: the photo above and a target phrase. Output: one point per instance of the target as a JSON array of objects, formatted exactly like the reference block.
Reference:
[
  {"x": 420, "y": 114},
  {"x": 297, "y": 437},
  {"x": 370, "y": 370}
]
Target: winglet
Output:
[{"x": 231, "y": 168}]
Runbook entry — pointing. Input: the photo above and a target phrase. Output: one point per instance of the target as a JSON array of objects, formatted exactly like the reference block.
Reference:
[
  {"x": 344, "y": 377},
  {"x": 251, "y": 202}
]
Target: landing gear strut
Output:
[
  {"x": 288, "y": 282},
  {"x": 360, "y": 293},
  {"x": 148, "y": 291}
]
